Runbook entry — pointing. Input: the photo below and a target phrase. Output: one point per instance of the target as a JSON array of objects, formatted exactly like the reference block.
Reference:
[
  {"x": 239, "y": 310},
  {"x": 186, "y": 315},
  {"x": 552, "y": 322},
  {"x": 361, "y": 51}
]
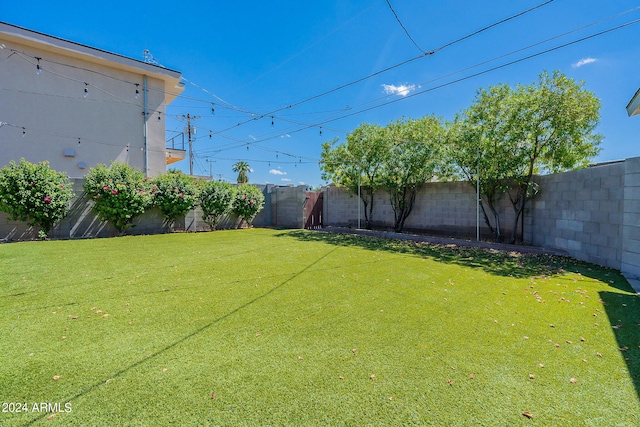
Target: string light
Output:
[
  {"x": 86, "y": 90},
  {"x": 38, "y": 69},
  {"x": 78, "y": 142},
  {"x": 24, "y": 132},
  {"x": 271, "y": 121},
  {"x": 213, "y": 110},
  {"x": 320, "y": 130},
  {"x": 137, "y": 91},
  {"x": 159, "y": 118}
]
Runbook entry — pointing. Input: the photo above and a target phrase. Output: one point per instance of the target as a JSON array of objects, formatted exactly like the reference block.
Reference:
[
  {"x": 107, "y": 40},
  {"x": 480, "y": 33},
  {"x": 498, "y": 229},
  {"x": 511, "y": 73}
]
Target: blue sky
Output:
[{"x": 251, "y": 60}]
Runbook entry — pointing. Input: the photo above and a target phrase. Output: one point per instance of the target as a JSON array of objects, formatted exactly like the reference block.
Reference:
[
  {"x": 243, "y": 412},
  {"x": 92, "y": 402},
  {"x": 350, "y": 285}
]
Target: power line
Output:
[
  {"x": 400, "y": 64},
  {"x": 403, "y": 27},
  {"x": 459, "y": 79}
]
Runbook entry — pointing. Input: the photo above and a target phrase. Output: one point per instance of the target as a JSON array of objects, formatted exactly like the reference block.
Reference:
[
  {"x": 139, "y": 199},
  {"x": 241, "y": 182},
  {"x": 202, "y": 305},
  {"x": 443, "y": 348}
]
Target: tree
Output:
[
  {"x": 517, "y": 133},
  {"x": 415, "y": 157},
  {"x": 216, "y": 200},
  {"x": 35, "y": 194},
  {"x": 248, "y": 201},
  {"x": 243, "y": 169},
  {"x": 120, "y": 193},
  {"x": 175, "y": 194},
  {"x": 356, "y": 164}
]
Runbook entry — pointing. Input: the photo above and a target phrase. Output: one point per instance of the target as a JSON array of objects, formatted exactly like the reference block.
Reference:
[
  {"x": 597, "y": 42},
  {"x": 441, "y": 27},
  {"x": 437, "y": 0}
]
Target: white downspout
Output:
[{"x": 146, "y": 148}]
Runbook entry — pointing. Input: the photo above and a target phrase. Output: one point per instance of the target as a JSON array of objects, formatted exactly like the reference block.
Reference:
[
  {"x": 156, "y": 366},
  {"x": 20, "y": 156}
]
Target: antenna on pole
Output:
[{"x": 148, "y": 57}]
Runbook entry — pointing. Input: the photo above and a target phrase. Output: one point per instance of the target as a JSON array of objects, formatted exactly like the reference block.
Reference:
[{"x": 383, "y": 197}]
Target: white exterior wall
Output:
[{"x": 108, "y": 125}]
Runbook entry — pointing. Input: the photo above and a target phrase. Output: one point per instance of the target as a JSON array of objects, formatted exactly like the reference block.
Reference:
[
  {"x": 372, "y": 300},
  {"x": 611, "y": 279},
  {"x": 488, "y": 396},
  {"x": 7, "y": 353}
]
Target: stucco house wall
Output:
[{"x": 46, "y": 116}]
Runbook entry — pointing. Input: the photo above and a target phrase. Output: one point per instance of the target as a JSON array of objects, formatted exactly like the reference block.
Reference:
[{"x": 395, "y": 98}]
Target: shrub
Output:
[
  {"x": 216, "y": 199},
  {"x": 35, "y": 194},
  {"x": 175, "y": 194},
  {"x": 248, "y": 201},
  {"x": 120, "y": 193}
]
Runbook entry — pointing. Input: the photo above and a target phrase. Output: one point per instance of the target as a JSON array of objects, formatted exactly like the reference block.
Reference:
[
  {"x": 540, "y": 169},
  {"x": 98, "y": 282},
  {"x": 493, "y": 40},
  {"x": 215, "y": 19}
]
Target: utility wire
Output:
[
  {"x": 457, "y": 80},
  {"x": 404, "y": 28},
  {"x": 424, "y": 54}
]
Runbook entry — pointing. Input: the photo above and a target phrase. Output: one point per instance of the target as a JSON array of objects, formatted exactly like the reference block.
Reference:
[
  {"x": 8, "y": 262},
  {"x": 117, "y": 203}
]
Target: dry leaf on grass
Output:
[
  {"x": 527, "y": 414},
  {"x": 573, "y": 380},
  {"x": 56, "y": 377}
]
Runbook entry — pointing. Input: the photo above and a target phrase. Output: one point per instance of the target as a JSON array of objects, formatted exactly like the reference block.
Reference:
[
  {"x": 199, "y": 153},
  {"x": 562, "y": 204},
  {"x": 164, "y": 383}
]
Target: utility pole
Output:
[
  {"x": 190, "y": 131},
  {"x": 210, "y": 163}
]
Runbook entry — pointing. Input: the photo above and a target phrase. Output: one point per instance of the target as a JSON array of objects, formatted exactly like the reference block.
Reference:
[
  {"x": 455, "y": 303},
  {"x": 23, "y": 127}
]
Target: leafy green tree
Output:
[
  {"x": 216, "y": 200},
  {"x": 242, "y": 169},
  {"x": 357, "y": 163},
  {"x": 514, "y": 134},
  {"x": 248, "y": 201},
  {"x": 35, "y": 194},
  {"x": 175, "y": 194},
  {"x": 415, "y": 157},
  {"x": 120, "y": 193}
]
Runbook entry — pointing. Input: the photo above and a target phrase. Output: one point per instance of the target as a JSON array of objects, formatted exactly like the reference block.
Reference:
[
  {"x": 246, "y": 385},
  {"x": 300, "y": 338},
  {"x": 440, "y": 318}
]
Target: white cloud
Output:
[
  {"x": 277, "y": 172},
  {"x": 584, "y": 61},
  {"x": 285, "y": 180},
  {"x": 301, "y": 183},
  {"x": 402, "y": 90}
]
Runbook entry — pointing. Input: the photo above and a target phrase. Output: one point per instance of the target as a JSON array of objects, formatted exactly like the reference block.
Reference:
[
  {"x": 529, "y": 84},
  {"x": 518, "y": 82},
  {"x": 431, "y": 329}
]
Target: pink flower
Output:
[
  {"x": 181, "y": 195},
  {"x": 96, "y": 197},
  {"x": 106, "y": 187},
  {"x": 114, "y": 191},
  {"x": 47, "y": 199}
]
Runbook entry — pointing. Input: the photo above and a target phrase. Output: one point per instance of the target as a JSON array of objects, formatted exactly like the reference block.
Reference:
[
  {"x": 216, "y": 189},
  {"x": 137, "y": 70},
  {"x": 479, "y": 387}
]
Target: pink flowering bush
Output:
[
  {"x": 35, "y": 194},
  {"x": 175, "y": 194},
  {"x": 119, "y": 193},
  {"x": 247, "y": 203},
  {"x": 216, "y": 200}
]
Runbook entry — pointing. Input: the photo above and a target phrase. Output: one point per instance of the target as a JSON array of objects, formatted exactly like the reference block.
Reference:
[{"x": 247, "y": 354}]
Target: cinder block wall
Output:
[
  {"x": 631, "y": 219},
  {"x": 581, "y": 212},
  {"x": 445, "y": 208}
]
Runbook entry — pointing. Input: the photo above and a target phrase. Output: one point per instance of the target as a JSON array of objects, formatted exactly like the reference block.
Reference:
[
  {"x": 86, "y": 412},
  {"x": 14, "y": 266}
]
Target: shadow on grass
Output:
[
  {"x": 124, "y": 370},
  {"x": 623, "y": 311},
  {"x": 501, "y": 263}
]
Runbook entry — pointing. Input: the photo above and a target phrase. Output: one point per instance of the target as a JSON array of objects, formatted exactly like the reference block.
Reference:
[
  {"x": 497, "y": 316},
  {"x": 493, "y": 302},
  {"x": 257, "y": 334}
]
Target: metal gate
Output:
[{"x": 313, "y": 210}]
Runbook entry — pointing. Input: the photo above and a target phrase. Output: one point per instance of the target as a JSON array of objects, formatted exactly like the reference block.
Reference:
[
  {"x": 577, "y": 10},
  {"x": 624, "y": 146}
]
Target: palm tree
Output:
[{"x": 243, "y": 169}]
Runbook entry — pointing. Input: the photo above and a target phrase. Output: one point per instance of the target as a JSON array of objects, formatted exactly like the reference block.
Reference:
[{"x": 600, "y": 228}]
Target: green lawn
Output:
[{"x": 268, "y": 327}]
